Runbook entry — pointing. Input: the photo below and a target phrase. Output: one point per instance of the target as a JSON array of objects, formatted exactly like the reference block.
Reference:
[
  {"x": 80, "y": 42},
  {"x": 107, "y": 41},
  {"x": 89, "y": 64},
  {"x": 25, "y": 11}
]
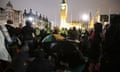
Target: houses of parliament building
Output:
[
  {"x": 10, "y": 13},
  {"x": 78, "y": 24},
  {"x": 18, "y": 17}
]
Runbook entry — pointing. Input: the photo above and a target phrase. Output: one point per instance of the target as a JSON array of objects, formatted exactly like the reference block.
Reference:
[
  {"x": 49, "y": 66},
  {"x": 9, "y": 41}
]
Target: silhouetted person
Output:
[
  {"x": 12, "y": 30},
  {"x": 111, "y": 59},
  {"x": 27, "y": 33},
  {"x": 94, "y": 51},
  {"x": 74, "y": 34}
]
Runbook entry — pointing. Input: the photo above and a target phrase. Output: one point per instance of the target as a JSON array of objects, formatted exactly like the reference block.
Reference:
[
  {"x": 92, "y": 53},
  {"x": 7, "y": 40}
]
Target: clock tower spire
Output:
[
  {"x": 63, "y": 13},
  {"x": 63, "y": 1}
]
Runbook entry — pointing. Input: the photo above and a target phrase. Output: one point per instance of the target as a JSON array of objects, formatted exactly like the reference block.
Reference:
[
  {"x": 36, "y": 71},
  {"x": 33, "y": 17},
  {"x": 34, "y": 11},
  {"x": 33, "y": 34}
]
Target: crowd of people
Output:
[{"x": 28, "y": 49}]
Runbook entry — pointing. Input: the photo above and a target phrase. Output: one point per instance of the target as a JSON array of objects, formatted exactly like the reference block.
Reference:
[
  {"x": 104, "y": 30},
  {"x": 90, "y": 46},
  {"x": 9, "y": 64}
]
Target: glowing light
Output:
[
  {"x": 85, "y": 17},
  {"x": 63, "y": 6},
  {"x": 30, "y": 19},
  {"x": 63, "y": 24}
]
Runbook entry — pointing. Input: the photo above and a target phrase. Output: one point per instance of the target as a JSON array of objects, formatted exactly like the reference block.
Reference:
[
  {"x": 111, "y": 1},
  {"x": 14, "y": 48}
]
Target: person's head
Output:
[
  {"x": 74, "y": 28},
  {"x": 56, "y": 30},
  {"x": 9, "y": 21},
  {"x": 20, "y": 25},
  {"x": 28, "y": 23},
  {"x": 106, "y": 26},
  {"x": 98, "y": 27}
]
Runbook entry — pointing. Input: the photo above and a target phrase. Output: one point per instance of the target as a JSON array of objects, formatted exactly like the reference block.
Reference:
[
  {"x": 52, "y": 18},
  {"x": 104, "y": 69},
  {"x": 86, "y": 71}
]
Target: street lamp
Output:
[
  {"x": 30, "y": 19},
  {"x": 85, "y": 19}
]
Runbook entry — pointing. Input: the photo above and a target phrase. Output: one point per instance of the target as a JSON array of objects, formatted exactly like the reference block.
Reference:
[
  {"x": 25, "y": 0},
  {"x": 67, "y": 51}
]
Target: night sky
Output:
[{"x": 51, "y": 8}]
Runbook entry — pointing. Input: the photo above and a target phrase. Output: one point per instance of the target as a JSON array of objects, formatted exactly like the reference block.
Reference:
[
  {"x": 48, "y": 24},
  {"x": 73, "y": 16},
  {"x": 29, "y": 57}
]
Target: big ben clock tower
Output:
[{"x": 63, "y": 14}]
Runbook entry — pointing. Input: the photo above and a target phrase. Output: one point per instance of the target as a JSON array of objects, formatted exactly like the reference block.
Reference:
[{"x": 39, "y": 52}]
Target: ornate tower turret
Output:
[
  {"x": 9, "y": 11},
  {"x": 97, "y": 17},
  {"x": 9, "y": 5}
]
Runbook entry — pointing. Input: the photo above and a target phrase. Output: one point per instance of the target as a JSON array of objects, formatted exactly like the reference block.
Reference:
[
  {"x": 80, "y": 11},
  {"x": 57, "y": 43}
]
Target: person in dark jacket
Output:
[
  {"x": 13, "y": 45},
  {"x": 24, "y": 55},
  {"x": 12, "y": 30},
  {"x": 111, "y": 59},
  {"x": 94, "y": 51},
  {"x": 28, "y": 31},
  {"x": 28, "y": 36}
]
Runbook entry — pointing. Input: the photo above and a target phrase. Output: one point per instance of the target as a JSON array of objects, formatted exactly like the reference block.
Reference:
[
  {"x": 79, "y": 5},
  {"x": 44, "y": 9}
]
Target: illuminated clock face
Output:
[{"x": 63, "y": 6}]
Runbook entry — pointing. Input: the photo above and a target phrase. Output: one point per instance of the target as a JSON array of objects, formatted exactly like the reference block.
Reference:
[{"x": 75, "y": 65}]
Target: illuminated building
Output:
[
  {"x": 37, "y": 20},
  {"x": 95, "y": 19},
  {"x": 63, "y": 17},
  {"x": 10, "y": 13},
  {"x": 19, "y": 17},
  {"x": 87, "y": 22}
]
